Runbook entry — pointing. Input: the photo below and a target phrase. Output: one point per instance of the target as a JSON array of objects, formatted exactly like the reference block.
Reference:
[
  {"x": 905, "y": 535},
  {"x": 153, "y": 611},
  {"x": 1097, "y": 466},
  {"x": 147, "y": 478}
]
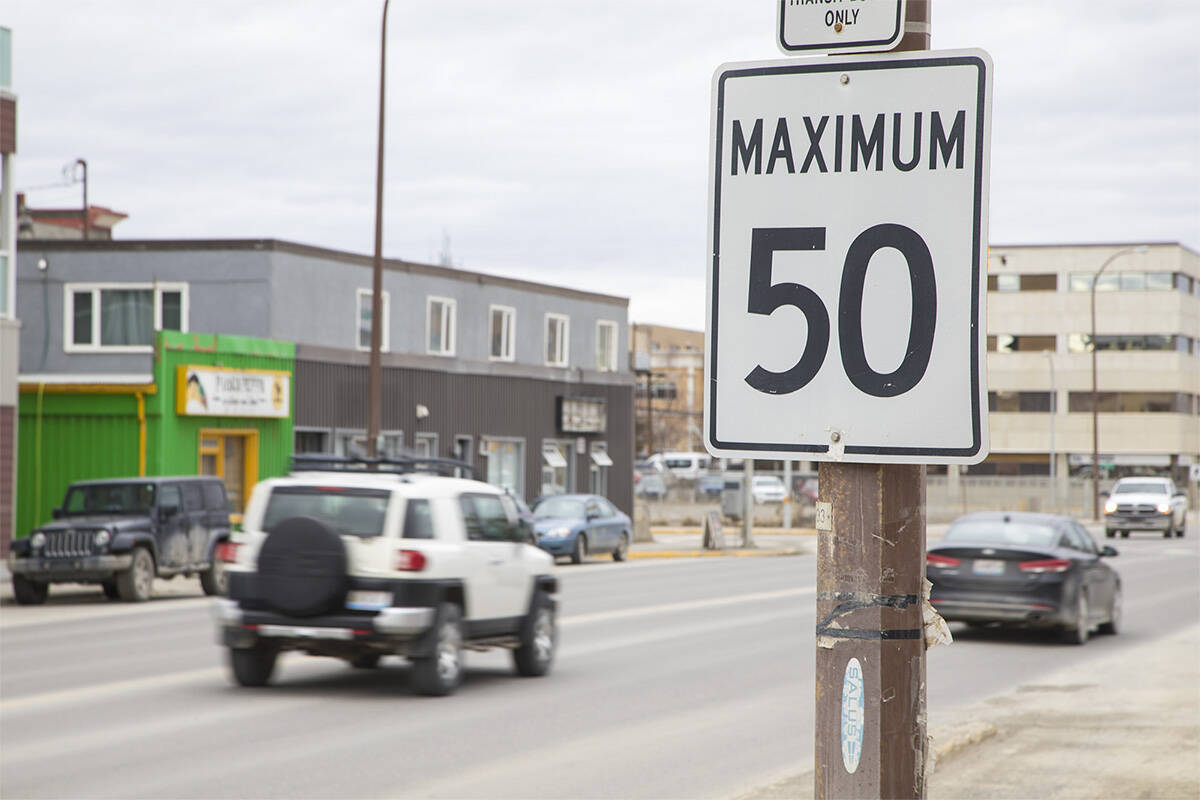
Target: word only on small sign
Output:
[
  {"x": 848, "y": 228},
  {"x": 815, "y": 27}
]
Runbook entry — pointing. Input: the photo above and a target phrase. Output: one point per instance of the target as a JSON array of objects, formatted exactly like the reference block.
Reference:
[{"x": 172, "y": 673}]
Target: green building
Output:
[{"x": 216, "y": 405}]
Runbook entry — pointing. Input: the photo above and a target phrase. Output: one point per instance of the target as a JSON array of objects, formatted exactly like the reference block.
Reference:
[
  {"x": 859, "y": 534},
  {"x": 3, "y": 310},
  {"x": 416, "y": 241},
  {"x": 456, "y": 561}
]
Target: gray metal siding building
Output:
[{"x": 446, "y": 390}]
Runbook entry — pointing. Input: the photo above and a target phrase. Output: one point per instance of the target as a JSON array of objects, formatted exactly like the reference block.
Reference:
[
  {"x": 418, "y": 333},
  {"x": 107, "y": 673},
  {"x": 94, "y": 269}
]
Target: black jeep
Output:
[{"x": 122, "y": 533}]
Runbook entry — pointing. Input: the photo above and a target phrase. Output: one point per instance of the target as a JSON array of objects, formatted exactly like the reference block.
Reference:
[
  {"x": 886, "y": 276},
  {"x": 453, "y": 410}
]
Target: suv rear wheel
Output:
[
  {"x": 441, "y": 672},
  {"x": 252, "y": 666},
  {"x": 136, "y": 584}
]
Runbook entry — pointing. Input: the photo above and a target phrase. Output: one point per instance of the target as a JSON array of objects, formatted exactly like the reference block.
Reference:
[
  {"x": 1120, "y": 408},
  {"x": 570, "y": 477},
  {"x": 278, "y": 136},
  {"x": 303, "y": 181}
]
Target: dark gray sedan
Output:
[{"x": 1036, "y": 570}]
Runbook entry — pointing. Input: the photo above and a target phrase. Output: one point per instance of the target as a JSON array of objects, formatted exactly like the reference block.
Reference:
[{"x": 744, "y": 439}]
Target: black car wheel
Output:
[
  {"x": 1114, "y": 614},
  {"x": 622, "y": 548},
  {"x": 302, "y": 568},
  {"x": 136, "y": 584},
  {"x": 215, "y": 580},
  {"x": 366, "y": 661},
  {"x": 1124, "y": 534},
  {"x": 579, "y": 552},
  {"x": 539, "y": 635},
  {"x": 29, "y": 593},
  {"x": 440, "y": 674},
  {"x": 252, "y": 666},
  {"x": 1081, "y": 627}
]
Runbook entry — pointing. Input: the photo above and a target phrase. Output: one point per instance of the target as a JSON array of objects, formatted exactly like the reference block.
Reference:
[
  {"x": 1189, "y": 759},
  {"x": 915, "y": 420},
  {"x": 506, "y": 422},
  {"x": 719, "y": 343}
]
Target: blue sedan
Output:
[{"x": 577, "y": 525}]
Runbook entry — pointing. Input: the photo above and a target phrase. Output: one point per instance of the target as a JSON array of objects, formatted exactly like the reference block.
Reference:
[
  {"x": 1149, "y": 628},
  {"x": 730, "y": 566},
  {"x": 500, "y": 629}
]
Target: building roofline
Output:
[
  {"x": 1181, "y": 245},
  {"x": 296, "y": 248}
]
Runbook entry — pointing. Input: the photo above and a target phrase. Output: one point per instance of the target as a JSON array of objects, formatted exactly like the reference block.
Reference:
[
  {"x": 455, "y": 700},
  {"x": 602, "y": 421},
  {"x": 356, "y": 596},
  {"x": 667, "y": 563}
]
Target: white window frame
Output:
[
  {"x": 563, "y": 356},
  {"x": 385, "y": 338},
  {"x": 71, "y": 289},
  {"x": 608, "y": 364},
  {"x": 449, "y": 318},
  {"x": 508, "y": 337}
]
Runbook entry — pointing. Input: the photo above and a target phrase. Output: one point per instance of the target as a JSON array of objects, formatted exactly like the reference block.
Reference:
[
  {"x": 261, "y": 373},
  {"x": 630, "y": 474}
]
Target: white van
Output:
[{"x": 685, "y": 466}]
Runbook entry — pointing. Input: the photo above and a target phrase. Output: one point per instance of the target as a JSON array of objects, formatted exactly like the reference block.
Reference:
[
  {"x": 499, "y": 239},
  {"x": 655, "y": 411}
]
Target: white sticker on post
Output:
[{"x": 853, "y": 715}]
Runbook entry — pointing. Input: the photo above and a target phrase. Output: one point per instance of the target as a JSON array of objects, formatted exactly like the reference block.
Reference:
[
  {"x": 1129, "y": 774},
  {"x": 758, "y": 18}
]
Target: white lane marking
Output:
[
  {"x": 56, "y": 615},
  {"x": 691, "y": 605},
  {"x": 77, "y": 694}
]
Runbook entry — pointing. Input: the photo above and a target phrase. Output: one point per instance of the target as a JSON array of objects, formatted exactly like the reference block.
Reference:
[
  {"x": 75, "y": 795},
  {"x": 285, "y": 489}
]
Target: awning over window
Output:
[
  {"x": 554, "y": 458},
  {"x": 600, "y": 457}
]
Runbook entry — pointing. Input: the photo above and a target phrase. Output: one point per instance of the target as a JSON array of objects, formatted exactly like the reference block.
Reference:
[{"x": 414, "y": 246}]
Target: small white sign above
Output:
[{"x": 814, "y": 27}]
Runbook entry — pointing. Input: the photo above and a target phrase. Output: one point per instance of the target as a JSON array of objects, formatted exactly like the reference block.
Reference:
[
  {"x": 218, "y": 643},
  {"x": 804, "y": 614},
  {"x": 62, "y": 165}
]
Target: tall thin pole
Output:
[
  {"x": 375, "y": 378},
  {"x": 1095, "y": 395},
  {"x": 85, "y": 218},
  {"x": 1053, "y": 414}
]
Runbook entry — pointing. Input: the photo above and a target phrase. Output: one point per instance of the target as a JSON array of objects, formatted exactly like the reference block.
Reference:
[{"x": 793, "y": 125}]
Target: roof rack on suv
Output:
[{"x": 324, "y": 462}]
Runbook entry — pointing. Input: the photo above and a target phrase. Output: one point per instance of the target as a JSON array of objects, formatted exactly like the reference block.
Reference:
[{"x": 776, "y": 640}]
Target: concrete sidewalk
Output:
[{"x": 1121, "y": 726}]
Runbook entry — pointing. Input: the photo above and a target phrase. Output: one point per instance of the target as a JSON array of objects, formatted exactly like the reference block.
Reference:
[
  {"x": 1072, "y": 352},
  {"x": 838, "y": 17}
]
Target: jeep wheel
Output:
[
  {"x": 215, "y": 579},
  {"x": 136, "y": 584},
  {"x": 539, "y": 634},
  {"x": 440, "y": 673},
  {"x": 252, "y": 666},
  {"x": 302, "y": 568},
  {"x": 29, "y": 593},
  {"x": 579, "y": 552},
  {"x": 110, "y": 590}
]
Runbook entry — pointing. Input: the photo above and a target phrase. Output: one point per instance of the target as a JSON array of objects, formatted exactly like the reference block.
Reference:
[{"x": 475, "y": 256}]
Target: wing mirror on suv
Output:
[
  {"x": 56, "y": 513},
  {"x": 166, "y": 512}
]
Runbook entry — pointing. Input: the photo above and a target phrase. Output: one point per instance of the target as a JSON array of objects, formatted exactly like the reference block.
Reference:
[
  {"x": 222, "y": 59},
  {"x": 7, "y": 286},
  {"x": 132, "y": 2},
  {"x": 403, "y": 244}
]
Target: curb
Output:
[
  {"x": 716, "y": 553},
  {"x": 758, "y": 531}
]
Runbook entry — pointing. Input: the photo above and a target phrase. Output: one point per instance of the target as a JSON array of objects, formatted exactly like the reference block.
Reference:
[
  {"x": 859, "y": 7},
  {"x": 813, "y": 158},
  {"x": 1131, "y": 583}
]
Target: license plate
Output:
[
  {"x": 368, "y": 601},
  {"x": 989, "y": 566}
]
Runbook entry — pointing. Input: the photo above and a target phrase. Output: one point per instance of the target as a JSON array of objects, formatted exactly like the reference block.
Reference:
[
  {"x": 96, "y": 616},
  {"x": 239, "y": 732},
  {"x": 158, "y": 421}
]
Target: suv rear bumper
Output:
[
  {"x": 69, "y": 569},
  {"x": 386, "y": 622}
]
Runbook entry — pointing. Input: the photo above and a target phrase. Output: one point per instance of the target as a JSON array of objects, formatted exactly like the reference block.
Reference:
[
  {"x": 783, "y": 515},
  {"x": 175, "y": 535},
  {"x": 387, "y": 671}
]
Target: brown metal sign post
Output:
[{"x": 870, "y": 661}]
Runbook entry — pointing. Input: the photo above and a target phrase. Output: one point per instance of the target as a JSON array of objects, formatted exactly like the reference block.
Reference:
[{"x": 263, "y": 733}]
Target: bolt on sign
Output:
[
  {"x": 815, "y": 27},
  {"x": 848, "y": 206}
]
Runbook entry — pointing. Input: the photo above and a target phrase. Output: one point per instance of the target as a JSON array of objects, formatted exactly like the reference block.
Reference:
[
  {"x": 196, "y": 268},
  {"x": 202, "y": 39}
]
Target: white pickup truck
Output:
[{"x": 1145, "y": 504}]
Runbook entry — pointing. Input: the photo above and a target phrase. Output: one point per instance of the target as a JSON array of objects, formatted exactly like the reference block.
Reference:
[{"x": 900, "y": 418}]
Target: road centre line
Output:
[{"x": 691, "y": 605}]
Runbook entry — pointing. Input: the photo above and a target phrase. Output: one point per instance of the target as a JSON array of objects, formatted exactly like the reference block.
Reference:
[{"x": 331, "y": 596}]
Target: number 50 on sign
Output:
[{"x": 847, "y": 280}]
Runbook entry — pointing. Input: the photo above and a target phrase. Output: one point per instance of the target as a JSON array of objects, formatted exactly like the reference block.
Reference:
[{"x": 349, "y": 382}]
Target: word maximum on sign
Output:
[{"x": 848, "y": 234}]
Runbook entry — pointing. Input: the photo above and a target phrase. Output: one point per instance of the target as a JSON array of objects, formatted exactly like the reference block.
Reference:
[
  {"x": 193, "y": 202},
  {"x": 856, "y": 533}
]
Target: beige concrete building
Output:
[
  {"x": 1039, "y": 361},
  {"x": 669, "y": 404}
]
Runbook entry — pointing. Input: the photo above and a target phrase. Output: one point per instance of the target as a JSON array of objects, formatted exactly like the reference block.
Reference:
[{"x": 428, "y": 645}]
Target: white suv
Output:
[{"x": 358, "y": 565}]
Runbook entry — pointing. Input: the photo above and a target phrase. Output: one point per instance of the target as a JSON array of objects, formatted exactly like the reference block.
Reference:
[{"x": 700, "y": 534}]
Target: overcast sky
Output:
[{"x": 556, "y": 140}]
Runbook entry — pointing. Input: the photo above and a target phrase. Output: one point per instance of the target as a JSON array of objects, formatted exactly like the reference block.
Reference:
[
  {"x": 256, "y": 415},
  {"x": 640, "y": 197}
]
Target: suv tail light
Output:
[
  {"x": 934, "y": 560},
  {"x": 227, "y": 552},
  {"x": 1047, "y": 565},
  {"x": 410, "y": 561}
]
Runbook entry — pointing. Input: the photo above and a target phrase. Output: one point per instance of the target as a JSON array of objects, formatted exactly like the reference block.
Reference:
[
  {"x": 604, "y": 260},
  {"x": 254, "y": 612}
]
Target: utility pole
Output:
[
  {"x": 870, "y": 571},
  {"x": 375, "y": 376}
]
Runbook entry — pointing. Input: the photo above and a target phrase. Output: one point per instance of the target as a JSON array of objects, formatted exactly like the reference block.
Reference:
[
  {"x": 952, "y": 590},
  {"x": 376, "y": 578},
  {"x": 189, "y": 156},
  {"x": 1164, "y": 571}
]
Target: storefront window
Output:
[{"x": 506, "y": 464}]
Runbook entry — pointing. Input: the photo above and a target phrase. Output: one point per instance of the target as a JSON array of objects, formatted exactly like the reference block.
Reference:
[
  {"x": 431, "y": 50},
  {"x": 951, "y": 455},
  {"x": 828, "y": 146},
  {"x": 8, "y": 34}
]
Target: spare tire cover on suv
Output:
[{"x": 302, "y": 568}]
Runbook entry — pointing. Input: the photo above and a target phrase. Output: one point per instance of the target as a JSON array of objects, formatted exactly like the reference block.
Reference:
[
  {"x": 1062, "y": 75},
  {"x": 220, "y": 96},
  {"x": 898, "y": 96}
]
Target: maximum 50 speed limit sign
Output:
[{"x": 848, "y": 203}]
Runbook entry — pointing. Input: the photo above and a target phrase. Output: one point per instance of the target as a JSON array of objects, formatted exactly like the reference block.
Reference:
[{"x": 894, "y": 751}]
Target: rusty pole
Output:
[{"x": 870, "y": 645}]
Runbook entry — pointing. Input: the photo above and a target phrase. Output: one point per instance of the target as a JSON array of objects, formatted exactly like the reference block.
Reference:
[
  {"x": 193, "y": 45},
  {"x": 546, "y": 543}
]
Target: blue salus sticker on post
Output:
[{"x": 853, "y": 715}]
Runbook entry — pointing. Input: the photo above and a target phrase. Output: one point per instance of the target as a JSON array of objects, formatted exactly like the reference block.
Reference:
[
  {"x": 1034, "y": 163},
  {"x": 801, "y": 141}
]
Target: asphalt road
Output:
[{"x": 685, "y": 678}]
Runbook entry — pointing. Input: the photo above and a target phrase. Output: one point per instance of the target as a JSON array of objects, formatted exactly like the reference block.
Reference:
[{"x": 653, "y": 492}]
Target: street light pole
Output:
[
  {"x": 85, "y": 219},
  {"x": 1053, "y": 413},
  {"x": 375, "y": 377},
  {"x": 1140, "y": 249}
]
